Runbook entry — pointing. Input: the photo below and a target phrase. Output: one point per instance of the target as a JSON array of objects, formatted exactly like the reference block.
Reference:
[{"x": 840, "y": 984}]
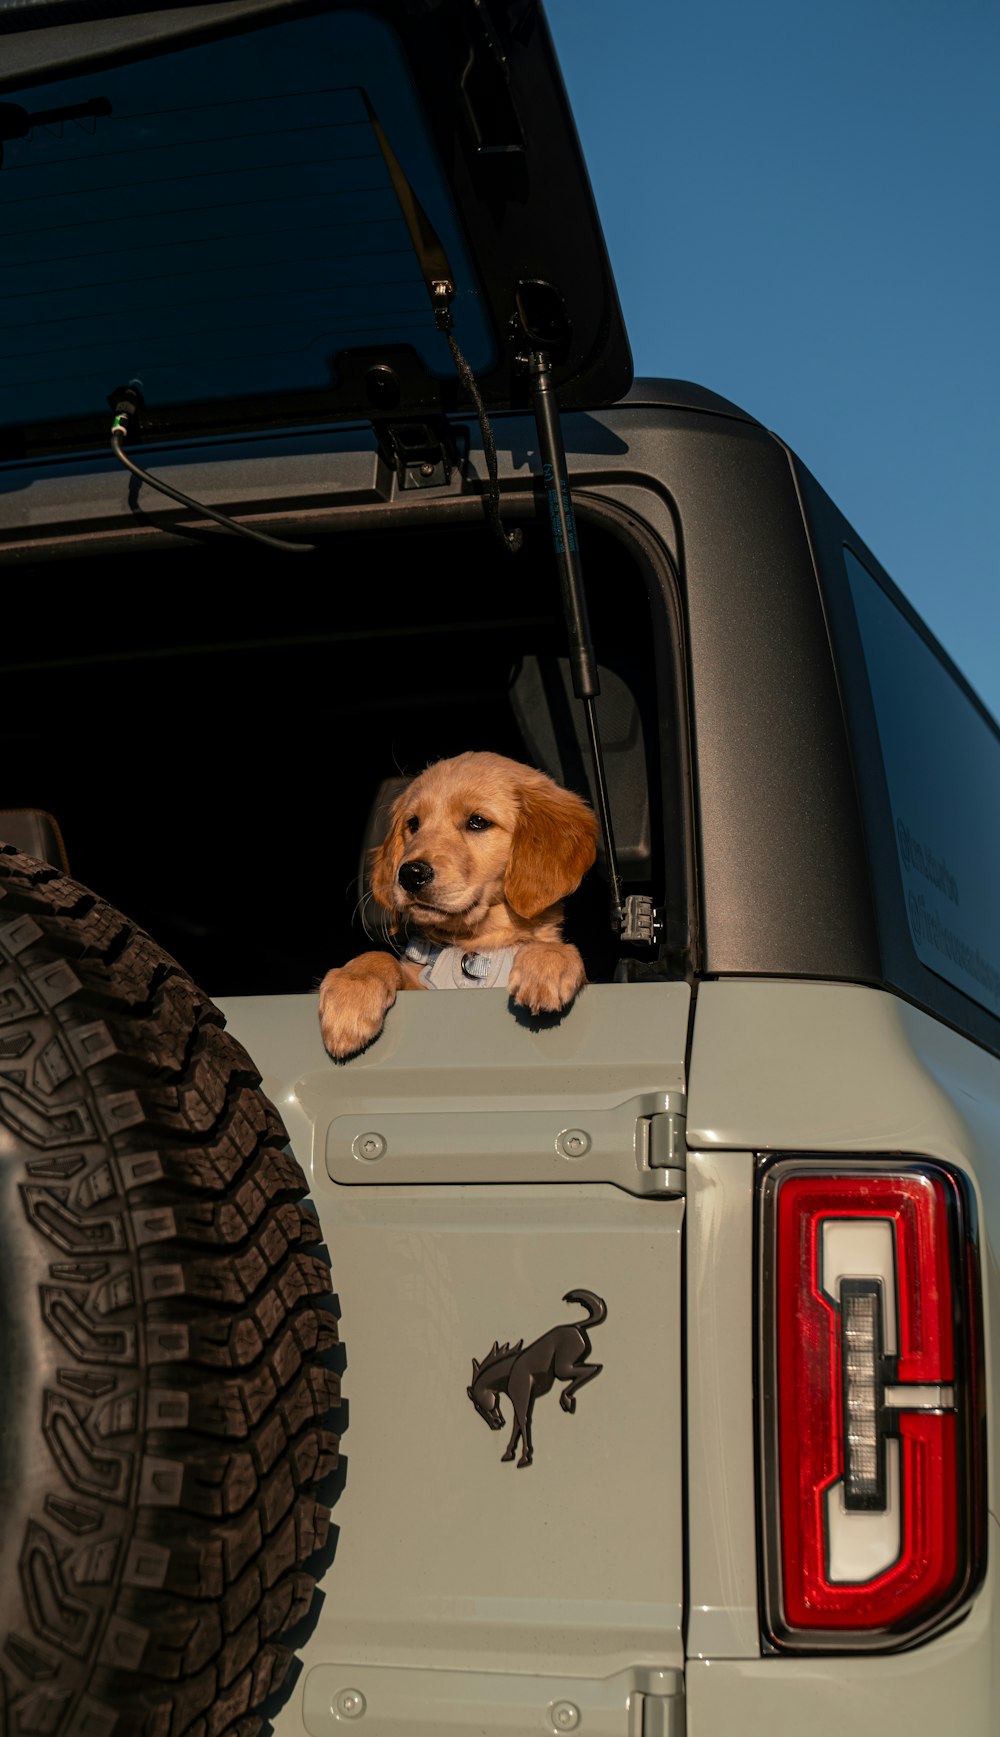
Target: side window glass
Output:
[{"x": 942, "y": 769}]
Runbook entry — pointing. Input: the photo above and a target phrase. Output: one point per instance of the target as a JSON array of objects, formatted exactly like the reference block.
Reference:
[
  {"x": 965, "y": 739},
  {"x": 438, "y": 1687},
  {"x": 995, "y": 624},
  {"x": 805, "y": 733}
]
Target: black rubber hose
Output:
[
  {"x": 511, "y": 540},
  {"x": 118, "y": 435}
]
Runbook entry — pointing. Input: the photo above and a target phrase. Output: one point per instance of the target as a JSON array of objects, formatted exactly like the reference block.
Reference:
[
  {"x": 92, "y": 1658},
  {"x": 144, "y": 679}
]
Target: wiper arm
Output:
[{"x": 17, "y": 123}]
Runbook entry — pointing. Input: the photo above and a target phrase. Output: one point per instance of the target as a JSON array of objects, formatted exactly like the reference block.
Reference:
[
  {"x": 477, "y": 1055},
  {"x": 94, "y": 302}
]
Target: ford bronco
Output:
[{"x": 331, "y": 275}]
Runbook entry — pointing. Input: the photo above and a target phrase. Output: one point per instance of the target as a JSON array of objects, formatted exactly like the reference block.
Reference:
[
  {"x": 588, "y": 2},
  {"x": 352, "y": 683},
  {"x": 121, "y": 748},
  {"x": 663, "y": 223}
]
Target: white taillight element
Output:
[
  {"x": 920, "y": 1396},
  {"x": 862, "y": 1248},
  {"x": 863, "y": 1513},
  {"x": 862, "y": 1542}
]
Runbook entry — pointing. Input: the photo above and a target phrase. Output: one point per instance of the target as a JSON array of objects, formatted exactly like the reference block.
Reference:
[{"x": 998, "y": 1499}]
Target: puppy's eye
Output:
[
  {"x": 478, "y": 823},
  {"x": 413, "y": 824}
]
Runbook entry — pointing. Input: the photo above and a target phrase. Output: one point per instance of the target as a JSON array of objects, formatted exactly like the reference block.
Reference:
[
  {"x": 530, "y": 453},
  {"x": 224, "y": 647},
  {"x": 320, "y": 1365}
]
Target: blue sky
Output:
[{"x": 801, "y": 204}]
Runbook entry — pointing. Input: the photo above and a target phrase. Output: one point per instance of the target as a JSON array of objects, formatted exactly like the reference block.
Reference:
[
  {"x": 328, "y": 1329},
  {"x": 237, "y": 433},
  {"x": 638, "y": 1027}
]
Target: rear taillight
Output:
[{"x": 871, "y": 1436}]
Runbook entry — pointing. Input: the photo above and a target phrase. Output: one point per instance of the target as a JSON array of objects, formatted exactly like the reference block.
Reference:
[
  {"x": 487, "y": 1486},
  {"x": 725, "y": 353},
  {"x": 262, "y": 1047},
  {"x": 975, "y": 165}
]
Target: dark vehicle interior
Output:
[{"x": 212, "y": 727}]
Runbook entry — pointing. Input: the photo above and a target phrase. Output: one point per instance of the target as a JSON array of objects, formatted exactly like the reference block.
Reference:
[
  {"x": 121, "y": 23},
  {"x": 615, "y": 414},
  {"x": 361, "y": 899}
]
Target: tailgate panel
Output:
[{"x": 459, "y": 1216}]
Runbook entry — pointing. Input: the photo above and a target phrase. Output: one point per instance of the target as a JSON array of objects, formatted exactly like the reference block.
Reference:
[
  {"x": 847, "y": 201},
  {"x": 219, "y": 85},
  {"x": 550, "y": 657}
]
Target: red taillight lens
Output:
[{"x": 871, "y": 1466}]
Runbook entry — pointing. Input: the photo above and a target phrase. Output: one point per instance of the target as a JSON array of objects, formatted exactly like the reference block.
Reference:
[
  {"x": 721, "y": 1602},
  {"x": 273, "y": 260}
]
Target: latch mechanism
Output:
[
  {"x": 641, "y": 923},
  {"x": 418, "y": 452}
]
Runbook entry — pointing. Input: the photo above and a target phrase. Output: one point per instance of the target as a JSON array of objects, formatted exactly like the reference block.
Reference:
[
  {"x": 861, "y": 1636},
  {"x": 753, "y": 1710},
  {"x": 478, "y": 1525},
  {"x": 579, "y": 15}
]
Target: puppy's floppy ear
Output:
[
  {"x": 384, "y": 859},
  {"x": 554, "y": 844}
]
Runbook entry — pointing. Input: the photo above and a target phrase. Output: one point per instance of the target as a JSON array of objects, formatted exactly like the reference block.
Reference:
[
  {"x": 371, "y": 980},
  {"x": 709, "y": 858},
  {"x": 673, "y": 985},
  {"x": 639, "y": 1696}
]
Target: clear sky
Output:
[{"x": 801, "y": 200}]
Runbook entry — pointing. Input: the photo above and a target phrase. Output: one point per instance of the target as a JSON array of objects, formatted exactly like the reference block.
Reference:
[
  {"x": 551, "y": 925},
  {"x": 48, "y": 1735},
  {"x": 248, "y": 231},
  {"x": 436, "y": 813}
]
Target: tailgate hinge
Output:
[
  {"x": 657, "y": 1710},
  {"x": 661, "y": 1147}
]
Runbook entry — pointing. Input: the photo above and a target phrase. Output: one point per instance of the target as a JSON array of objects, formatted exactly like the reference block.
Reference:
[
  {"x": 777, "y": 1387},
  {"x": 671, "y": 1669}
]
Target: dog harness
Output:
[{"x": 454, "y": 968}]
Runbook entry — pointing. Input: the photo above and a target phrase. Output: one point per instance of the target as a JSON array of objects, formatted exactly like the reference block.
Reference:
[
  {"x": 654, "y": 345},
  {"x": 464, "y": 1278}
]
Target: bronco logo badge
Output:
[{"x": 524, "y": 1371}]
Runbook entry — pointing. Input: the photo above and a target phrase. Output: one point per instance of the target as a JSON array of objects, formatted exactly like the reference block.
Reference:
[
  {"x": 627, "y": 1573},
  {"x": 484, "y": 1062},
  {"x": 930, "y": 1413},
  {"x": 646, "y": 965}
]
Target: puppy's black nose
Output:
[{"x": 414, "y": 875}]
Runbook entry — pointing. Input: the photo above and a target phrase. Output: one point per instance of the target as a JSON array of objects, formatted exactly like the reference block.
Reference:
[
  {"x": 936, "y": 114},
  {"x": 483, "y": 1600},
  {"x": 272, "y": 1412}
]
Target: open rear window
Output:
[{"x": 214, "y": 753}]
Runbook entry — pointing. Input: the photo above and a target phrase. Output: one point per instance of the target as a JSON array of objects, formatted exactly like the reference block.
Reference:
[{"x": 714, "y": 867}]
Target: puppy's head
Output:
[{"x": 479, "y": 831}]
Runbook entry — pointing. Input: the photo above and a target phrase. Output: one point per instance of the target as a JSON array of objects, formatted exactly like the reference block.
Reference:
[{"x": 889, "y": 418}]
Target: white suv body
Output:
[{"x": 750, "y": 1179}]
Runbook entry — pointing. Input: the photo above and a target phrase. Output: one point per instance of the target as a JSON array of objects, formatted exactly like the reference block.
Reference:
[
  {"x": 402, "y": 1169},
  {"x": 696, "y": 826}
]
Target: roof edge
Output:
[{"x": 683, "y": 395}]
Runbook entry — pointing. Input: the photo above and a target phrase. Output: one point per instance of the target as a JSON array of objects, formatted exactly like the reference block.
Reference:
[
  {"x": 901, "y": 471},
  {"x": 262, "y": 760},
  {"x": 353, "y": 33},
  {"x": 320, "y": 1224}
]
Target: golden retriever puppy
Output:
[{"x": 479, "y": 855}]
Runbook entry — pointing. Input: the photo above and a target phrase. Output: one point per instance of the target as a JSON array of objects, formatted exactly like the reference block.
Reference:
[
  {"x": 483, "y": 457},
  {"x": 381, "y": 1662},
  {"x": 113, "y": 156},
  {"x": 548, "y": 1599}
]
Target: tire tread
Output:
[{"x": 180, "y": 1337}]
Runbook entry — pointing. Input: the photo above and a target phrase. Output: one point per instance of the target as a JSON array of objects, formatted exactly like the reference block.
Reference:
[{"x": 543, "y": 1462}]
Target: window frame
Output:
[{"x": 902, "y": 968}]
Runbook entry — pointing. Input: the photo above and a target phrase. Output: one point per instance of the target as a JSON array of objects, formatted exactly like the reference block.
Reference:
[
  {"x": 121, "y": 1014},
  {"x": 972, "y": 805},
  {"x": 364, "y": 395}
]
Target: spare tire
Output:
[{"x": 167, "y": 1333}]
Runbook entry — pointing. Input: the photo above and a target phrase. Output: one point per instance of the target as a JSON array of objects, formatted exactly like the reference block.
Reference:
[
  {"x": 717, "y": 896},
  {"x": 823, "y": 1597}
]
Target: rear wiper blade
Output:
[{"x": 17, "y": 122}]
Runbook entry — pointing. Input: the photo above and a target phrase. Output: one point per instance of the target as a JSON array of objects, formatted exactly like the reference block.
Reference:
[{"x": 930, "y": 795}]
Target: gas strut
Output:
[{"x": 633, "y": 917}]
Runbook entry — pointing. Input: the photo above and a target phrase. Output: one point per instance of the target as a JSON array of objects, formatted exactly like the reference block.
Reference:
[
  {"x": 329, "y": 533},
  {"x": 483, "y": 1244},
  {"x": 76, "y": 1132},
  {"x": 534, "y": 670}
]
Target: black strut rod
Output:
[{"x": 583, "y": 666}]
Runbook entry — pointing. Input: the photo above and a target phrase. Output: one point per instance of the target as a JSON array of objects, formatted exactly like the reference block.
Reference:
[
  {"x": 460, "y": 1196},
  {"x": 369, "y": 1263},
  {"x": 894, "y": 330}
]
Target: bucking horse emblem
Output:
[{"x": 524, "y": 1371}]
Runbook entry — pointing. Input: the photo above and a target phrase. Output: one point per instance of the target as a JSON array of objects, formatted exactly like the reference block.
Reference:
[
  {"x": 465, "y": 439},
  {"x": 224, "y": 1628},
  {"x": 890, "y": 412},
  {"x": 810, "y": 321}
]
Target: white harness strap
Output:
[{"x": 454, "y": 968}]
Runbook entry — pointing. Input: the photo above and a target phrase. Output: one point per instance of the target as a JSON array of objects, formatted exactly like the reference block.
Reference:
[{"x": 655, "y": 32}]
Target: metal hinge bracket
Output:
[
  {"x": 661, "y": 1147},
  {"x": 657, "y": 1709},
  {"x": 641, "y": 923},
  {"x": 418, "y": 453}
]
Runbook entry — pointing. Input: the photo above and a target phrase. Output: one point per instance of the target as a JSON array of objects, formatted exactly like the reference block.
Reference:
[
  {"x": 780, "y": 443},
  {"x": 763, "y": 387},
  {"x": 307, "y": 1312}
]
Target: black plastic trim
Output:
[{"x": 783, "y": 866}]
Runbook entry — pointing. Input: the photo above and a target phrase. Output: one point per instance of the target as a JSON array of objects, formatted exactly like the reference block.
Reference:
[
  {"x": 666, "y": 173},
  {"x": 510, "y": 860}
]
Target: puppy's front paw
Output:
[
  {"x": 353, "y": 1004},
  {"x": 546, "y": 976}
]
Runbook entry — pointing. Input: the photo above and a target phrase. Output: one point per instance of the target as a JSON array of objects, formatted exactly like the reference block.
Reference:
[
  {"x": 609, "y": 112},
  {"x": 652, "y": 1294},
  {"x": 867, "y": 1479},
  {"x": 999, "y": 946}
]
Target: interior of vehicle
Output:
[{"x": 212, "y": 736}]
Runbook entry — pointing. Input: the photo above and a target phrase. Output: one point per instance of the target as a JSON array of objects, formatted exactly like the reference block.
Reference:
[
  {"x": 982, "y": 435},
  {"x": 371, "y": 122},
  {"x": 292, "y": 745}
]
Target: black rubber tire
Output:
[{"x": 166, "y": 1335}]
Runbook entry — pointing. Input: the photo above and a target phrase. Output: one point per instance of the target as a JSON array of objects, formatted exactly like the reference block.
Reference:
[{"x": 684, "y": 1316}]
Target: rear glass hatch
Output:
[{"x": 245, "y": 208}]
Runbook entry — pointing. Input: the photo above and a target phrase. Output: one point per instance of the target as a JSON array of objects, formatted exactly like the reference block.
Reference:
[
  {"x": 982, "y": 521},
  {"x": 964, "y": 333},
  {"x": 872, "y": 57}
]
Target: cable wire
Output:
[
  {"x": 119, "y": 432},
  {"x": 511, "y": 540}
]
